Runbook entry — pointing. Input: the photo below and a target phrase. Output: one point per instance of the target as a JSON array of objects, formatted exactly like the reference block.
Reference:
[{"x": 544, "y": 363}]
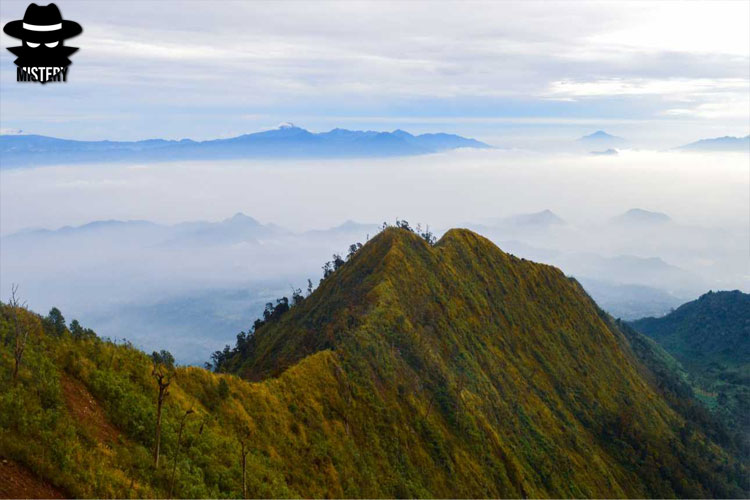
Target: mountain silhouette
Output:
[
  {"x": 639, "y": 216},
  {"x": 601, "y": 138},
  {"x": 725, "y": 143},
  {"x": 286, "y": 141}
]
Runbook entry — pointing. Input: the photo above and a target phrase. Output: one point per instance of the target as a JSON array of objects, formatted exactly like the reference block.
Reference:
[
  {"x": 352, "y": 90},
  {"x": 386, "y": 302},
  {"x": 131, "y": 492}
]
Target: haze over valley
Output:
[{"x": 643, "y": 231}]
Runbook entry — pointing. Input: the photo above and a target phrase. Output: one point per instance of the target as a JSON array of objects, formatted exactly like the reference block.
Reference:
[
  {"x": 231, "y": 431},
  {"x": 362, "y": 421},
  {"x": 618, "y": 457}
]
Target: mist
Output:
[{"x": 162, "y": 286}]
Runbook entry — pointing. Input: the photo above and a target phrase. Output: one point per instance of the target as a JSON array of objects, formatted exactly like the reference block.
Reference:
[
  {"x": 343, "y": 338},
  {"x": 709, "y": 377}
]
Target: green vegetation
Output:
[
  {"x": 710, "y": 337},
  {"x": 413, "y": 370}
]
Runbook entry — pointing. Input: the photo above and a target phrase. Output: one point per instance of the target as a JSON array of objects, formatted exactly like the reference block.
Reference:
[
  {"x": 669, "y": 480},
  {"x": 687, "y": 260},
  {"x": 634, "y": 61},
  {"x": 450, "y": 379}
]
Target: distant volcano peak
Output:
[{"x": 599, "y": 136}]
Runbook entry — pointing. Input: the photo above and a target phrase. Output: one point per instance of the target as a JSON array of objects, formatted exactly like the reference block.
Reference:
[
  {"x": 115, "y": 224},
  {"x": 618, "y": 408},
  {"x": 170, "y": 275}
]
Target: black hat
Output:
[{"x": 42, "y": 24}]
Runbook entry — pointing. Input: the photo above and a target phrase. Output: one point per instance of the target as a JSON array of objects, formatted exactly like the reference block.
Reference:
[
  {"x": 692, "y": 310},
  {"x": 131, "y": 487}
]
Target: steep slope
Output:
[
  {"x": 453, "y": 370},
  {"x": 512, "y": 356}
]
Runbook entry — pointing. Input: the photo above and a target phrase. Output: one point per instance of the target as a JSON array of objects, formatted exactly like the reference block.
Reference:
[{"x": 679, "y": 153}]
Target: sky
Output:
[{"x": 512, "y": 74}]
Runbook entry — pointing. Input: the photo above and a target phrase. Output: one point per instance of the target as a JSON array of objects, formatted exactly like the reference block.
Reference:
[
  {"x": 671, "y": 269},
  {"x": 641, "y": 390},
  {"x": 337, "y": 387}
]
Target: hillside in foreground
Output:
[{"x": 452, "y": 370}]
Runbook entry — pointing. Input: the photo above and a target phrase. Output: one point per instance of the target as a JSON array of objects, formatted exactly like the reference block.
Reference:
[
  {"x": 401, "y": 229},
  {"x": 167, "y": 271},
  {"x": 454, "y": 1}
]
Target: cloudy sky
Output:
[{"x": 659, "y": 73}]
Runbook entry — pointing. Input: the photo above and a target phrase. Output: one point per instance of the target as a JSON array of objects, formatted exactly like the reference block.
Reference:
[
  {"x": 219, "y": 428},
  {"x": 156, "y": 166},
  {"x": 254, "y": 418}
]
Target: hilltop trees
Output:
[
  {"x": 80, "y": 332},
  {"x": 353, "y": 249},
  {"x": 245, "y": 340},
  {"x": 55, "y": 322},
  {"x": 220, "y": 360},
  {"x": 163, "y": 372}
]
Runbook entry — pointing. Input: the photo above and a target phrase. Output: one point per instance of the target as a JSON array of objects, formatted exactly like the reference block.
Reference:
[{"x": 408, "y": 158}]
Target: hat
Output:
[{"x": 42, "y": 24}]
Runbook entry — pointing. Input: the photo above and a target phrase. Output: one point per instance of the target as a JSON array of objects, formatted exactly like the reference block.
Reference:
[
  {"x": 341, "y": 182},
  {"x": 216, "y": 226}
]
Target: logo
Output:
[{"x": 43, "y": 56}]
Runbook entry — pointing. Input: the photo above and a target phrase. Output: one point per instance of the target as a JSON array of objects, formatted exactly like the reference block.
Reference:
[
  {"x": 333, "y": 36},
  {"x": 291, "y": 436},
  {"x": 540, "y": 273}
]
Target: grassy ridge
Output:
[{"x": 453, "y": 370}]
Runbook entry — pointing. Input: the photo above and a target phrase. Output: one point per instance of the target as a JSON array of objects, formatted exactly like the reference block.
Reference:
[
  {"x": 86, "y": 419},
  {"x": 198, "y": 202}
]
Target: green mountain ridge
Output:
[
  {"x": 413, "y": 370},
  {"x": 713, "y": 328},
  {"x": 710, "y": 337}
]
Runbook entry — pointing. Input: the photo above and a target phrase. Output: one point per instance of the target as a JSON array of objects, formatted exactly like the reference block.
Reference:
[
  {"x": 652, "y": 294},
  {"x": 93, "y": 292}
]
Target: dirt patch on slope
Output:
[
  {"x": 16, "y": 481},
  {"x": 87, "y": 411}
]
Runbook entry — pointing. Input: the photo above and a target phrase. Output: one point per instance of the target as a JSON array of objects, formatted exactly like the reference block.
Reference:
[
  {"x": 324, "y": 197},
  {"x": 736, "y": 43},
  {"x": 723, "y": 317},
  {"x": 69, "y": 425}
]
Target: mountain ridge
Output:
[
  {"x": 726, "y": 143},
  {"x": 390, "y": 288},
  {"x": 710, "y": 337},
  {"x": 287, "y": 141}
]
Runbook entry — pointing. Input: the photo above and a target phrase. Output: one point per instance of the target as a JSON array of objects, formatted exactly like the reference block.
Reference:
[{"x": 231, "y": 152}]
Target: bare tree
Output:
[
  {"x": 21, "y": 332},
  {"x": 244, "y": 450},
  {"x": 177, "y": 452},
  {"x": 163, "y": 373}
]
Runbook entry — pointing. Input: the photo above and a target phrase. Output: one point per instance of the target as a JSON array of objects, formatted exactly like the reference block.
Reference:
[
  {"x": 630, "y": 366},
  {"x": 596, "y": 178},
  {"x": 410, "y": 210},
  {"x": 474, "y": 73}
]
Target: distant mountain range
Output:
[
  {"x": 235, "y": 229},
  {"x": 725, "y": 143},
  {"x": 286, "y": 141}
]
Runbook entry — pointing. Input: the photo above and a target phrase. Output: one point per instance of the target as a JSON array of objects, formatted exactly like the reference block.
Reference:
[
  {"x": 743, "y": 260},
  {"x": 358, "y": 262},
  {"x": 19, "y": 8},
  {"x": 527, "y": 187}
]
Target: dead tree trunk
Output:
[
  {"x": 177, "y": 453},
  {"x": 163, "y": 392},
  {"x": 244, "y": 439},
  {"x": 163, "y": 372},
  {"x": 21, "y": 333},
  {"x": 244, "y": 452}
]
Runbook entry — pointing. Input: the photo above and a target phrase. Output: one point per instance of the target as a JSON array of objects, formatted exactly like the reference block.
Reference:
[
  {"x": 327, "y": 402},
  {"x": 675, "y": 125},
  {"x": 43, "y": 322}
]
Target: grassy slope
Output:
[{"x": 454, "y": 370}]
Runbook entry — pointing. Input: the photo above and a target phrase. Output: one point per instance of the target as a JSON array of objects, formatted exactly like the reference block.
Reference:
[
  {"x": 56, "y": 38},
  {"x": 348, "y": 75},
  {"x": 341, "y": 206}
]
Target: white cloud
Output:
[
  {"x": 671, "y": 89},
  {"x": 339, "y": 58},
  {"x": 732, "y": 108}
]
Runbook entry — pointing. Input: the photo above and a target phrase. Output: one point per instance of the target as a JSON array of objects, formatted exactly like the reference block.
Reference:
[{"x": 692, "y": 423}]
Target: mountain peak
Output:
[
  {"x": 241, "y": 218},
  {"x": 402, "y": 133},
  {"x": 542, "y": 219},
  {"x": 477, "y": 344},
  {"x": 600, "y": 136},
  {"x": 285, "y": 125},
  {"x": 641, "y": 216}
]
